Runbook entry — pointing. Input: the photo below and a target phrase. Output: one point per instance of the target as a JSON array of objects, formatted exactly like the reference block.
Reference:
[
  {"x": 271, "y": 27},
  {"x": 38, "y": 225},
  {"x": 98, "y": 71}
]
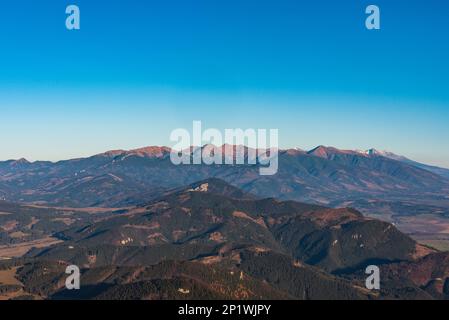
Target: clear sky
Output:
[{"x": 139, "y": 69}]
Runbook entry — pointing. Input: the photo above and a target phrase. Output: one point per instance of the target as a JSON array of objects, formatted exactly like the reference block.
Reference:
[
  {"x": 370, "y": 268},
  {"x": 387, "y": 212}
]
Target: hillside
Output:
[
  {"x": 324, "y": 175},
  {"x": 210, "y": 240}
]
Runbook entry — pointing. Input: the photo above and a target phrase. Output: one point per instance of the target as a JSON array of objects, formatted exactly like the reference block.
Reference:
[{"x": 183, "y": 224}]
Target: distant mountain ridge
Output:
[
  {"x": 444, "y": 172},
  {"x": 319, "y": 151},
  {"x": 370, "y": 181}
]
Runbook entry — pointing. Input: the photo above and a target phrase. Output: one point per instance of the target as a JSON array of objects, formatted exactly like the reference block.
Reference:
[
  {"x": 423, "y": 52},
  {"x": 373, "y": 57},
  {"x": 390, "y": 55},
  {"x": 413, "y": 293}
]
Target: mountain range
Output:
[
  {"x": 140, "y": 227},
  {"x": 374, "y": 182}
]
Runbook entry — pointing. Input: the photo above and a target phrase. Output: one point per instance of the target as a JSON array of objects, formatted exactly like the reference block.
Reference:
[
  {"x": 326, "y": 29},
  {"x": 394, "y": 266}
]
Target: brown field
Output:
[
  {"x": 18, "y": 250},
  {"x": 11, "y": 295},
  {"x": 18, "y": 234},
  {"x": 7, "y": 277},
  {"x": 9, "y": 225},
  {"x": 441, "y": 245},
  {"x": 431, "y": 230},
  {"x": 32, "y": 223},
  {"x": 66, "y": 221},
  {"x": 423, "y": 224},
  {"x": 91, "y": 210}
]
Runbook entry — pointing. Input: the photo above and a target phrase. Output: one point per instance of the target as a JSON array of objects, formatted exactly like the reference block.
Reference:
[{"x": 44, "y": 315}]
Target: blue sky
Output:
[{"x": 139, "y": 69}]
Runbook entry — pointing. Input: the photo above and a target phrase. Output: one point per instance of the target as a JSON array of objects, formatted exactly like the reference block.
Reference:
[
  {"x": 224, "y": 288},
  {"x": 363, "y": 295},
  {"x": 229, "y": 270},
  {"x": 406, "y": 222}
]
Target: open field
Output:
[
  {"x": 7, "y": 277},
  {"x": 441, "y": 245},
  {"x": 90, "y": 210},
  {"x": 18, "y": 250},
  {"x": 424, "y": 224}
]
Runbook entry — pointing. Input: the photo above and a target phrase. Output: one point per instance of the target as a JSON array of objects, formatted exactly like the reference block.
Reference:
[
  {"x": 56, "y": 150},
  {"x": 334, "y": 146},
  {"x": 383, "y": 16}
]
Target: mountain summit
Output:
[{"x": 323, "y": 175}]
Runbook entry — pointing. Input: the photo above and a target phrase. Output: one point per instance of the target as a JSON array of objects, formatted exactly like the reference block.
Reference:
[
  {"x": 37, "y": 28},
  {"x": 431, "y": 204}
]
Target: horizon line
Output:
[{"x": 140, "y": 149}]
